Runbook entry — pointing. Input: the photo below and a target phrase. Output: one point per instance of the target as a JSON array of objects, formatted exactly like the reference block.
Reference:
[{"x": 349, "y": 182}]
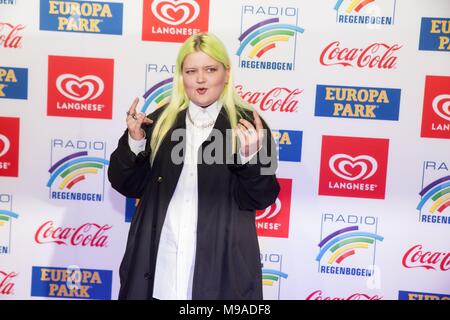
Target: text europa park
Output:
[
  {"x": 79, "y": 15},
  {"x": 81, "y": 280},
  {"x": 6, "y": 75}
]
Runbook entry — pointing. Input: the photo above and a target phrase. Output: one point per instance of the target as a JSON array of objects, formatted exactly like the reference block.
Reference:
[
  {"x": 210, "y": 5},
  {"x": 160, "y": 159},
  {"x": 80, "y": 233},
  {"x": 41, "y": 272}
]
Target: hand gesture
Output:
[
  {"x": 250, "y": 138},
  {"x": 135, "y": 121}
]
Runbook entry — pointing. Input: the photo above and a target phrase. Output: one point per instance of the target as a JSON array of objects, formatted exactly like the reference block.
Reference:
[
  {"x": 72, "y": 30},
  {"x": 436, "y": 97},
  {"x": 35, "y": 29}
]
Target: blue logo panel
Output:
[{"x": 81, "y": 16}]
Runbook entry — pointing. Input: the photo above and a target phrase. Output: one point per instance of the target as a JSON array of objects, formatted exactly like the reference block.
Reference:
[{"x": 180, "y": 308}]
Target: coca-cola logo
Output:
[
  {"x": 6, "y": 284},
  {"x": 87, "y": 235},
  {"x": 377, "y": 55},
  {"x": 277, "y": 99},
  {"x": 72, "y": 86},
  {"x": 9, "y": 35},
  {"x": 416, "y": 257},
  {"x": 271, "y": 211},
  {"x": 441, "y": 105},
  {"x": 175, "y": 12},
  {"x": 4, "y": 145},
  {"x": 353, "y": 168},
  {"x": 318, "y": 295}
]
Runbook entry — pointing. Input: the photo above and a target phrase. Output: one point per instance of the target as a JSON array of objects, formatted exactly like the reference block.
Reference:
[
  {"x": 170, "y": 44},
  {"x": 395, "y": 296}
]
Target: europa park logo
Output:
[
  {"x": 80, "y": 87},
  {"x": 174, "y": 20},
  {"x": 353, "y": 167}
]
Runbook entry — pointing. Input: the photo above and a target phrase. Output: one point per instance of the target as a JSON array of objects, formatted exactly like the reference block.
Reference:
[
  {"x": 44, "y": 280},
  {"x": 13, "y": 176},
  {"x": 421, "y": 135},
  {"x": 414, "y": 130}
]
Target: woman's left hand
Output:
[{"x": 250, "y": 137}]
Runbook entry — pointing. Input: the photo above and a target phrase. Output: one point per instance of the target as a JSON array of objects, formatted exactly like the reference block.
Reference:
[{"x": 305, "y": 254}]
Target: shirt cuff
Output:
[
  {"x": 245, "y": 159},
  {"x": 136, "y": 146}
]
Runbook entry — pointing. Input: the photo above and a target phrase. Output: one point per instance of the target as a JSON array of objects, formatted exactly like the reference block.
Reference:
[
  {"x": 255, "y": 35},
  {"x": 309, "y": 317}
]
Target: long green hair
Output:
[{"x": 213, "y": 47}]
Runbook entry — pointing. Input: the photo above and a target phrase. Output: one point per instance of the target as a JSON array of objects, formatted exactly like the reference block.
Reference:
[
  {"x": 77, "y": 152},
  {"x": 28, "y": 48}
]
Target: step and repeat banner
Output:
[{"x": 357, "y": 93}]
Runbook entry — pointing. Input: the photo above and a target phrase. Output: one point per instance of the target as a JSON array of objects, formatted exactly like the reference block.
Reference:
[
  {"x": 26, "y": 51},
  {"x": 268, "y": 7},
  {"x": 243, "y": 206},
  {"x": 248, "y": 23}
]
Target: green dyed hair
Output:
[{"x": 213, "y": 47}]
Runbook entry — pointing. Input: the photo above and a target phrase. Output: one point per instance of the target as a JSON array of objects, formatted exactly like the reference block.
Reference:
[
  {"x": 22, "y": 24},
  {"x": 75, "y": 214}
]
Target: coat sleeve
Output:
[
  {"x": 129, "y": 173},
  {"x": 257, "y": 185}
]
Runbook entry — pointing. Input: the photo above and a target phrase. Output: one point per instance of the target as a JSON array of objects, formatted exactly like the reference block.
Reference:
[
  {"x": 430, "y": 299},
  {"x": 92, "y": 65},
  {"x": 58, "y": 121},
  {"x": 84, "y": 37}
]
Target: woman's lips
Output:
[{"x": 201, "y": 90}]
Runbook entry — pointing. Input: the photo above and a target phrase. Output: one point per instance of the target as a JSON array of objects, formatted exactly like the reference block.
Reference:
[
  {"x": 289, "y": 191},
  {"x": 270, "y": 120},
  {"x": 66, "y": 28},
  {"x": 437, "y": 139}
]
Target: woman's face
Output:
[{"x": 204, "y": 78}]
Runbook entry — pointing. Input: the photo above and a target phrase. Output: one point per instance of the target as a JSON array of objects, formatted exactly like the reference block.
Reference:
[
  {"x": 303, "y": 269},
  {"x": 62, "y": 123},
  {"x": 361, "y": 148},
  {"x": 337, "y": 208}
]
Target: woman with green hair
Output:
[{"x": 200, "y": 166}]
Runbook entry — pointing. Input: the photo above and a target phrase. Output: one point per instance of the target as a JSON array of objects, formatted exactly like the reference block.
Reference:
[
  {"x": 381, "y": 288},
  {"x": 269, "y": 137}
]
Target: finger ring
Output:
[{"x": 133, "y": 115}]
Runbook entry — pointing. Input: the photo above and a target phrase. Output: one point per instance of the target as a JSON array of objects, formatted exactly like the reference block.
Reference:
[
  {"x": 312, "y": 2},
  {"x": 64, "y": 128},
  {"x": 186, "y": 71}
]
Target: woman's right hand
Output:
[{"x": 135, "y": 121}]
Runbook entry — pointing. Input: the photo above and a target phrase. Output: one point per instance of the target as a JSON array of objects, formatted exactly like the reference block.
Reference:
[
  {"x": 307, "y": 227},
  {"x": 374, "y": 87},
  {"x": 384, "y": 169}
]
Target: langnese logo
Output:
[
  {"x": 7, "y": 282},
  {"x": 272, "y": 275},
  {"x": 434, "y": 204},
  {"x": 10, "y": 35},
  {"x": 13, "y": 83},
  {"x": 81, "y": 16},
  {"x": 87, "y": 235},
  {"x": 268, "y": 39},
  {"x": 348, "y": 245},
  {"x": 289, "y": 144},
  {"x": 435, "y": 34},
  {"x": 72, "y": 282},
  {"x": 174, "y": 20},
  {"x": 419, "y": 257},
  {"x": 319, "y": 295},
  {"x": 80, "y": 87},
  {"x": 414, "y": 295},
  {"x": 357, "y": 102},
  {"x": 7, "y": 216},
  {"x": 436, "y": 108},
  {"x": 353, "y": 167},
  {"x": 368, "y": 12},
  {"x": 77, "y": 170},
  {"x": 9, "y": 146},
  {"x": 277, "y": 99},
  {"x": 274, "y": 220},
  {"x": 378, "y": 55},
  {"x": 158, "y": 86}
]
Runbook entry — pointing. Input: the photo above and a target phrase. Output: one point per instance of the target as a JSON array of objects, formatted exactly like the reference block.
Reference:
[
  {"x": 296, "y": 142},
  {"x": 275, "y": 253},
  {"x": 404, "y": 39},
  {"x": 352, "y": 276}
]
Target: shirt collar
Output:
[{"x": 204, "y": 114}]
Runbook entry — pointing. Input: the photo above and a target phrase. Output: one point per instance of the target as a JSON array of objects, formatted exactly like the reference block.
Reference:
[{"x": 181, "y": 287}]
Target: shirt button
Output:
[
  {"x": 147, "y": 275},
  {"x": 160, "y": 179}
]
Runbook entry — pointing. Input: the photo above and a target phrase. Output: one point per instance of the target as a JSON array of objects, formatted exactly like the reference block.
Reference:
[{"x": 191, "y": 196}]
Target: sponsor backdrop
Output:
[{"x": 357, "y": 93}]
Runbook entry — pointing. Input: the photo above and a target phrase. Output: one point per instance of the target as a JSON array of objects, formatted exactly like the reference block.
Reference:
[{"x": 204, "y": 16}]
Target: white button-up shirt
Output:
[{"x": 176, "y": 254}]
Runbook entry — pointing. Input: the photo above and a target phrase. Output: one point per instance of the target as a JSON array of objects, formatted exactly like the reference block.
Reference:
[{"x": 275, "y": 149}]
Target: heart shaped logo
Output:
[
  {"x": 67, "y": 83},
  {"x": 441, "y": 105},
  {"x": 341, "y": 163},
  {"x": 175, "y": 12},
  {"x": 270, "y": 211},
  {"x": 6, "y": 144}
]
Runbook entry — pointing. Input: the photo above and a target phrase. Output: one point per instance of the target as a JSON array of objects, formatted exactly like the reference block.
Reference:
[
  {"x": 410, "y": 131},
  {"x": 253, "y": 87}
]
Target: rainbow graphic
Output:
[
  {"x": 439, "y": 192},
  {"x": 74, "y": 168},
  {"x": 264, "y": 35},
  {"x": 6, "y": 216},
  {"x": 160, "y": 93},
  {"x": 271, "y": 276},
  {"x": 355, "y": 5},
  {"x": 343, "y": 243}
]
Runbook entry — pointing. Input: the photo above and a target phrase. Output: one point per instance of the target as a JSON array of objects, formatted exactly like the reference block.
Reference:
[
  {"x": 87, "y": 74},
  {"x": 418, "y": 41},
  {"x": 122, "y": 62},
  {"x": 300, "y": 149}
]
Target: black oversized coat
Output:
[{"x": 227, "y": 261}]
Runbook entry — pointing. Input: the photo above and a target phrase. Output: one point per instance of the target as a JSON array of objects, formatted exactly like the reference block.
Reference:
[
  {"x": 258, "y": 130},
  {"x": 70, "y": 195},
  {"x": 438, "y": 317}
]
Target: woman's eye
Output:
[
  {"x": 211, "y": 69},
  {"x": 190, "y": 71}
]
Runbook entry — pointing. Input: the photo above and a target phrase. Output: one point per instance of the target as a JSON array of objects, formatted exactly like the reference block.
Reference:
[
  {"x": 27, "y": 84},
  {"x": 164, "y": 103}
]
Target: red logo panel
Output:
[
  {"x": 353, "y": 167},
  {"x": 174, "y": 20},
  {"x": 9, "y": 146},
  {"x": 80, "y": 87},
  {"x": 436, "y": 108},
  {"x": 274, "y": 220}
]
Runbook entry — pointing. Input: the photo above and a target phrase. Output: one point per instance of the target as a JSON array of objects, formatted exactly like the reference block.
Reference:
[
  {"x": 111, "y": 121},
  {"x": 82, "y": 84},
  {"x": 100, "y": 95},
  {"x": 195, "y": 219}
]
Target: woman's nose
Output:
[{"x": 200, "y": 77}]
